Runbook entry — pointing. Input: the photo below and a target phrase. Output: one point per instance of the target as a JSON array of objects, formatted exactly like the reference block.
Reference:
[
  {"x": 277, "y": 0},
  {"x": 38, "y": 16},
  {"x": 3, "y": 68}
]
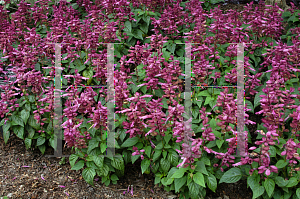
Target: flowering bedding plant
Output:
[{"x": 187, "y": 155}]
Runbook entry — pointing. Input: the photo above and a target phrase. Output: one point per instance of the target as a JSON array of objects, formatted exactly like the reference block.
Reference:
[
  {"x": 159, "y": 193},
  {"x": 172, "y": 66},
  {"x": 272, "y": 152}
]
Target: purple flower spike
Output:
[{"x": 131, "y": 192}]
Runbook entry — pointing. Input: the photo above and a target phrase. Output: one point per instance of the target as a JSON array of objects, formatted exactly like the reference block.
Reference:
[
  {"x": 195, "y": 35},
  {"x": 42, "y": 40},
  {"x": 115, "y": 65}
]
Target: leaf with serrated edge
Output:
[{"x": 231, "y": 176}]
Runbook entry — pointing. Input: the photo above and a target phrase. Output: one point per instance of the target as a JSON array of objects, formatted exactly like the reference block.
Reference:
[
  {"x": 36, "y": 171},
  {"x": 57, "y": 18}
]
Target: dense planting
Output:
[{"x": 149, "y": 83}]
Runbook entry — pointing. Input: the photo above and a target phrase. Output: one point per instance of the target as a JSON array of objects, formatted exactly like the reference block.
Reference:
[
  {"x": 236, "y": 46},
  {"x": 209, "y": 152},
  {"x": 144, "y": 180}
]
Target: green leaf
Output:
[
  {"x": 118, "y": 163},
  {"x": 277, "y": 194},
  {"x": 171, "y": 47},
  {"x": 211, "y": 144},
  {"x": 195, "y": 112},
  {"x": 19, "y": 131},
  {"x": 258, "y": 192},
  {"x": 287, "y": 195},
  {"x": 269, "y": 185},
  {"x": 42, "y": 148},
  {"x": 164, "y": 165},
  {"x": 164, "y": 154},
  {"x": 201, "y": 167},
  {"x": 134, "y": 158},
  {"x": 257, "y": 99},
  {"x": 32, "y": 122},
  {"x": 156, "y": 155},
  {"x": 98, "y": 160},
  {"x": 211, "y": 182},
  {"x": 79, "y": 165},
  {"x": 280, "y": 181},
  {"x": 199, "y": 179},
  {"x": 27, "y": 142},
  {"x": 2, "y": 122},
  {"x": 114, "y": 177},
  {"x": 179, "y": 173},
  {"x": 6, "y": 133},
  {"x": 103, "y": 147},
  {"x": 206, "y": 161},
  {"x": 145, "y": 164},
  {"x": 281, "y": 164},
  {"x": 194, "y": 189},
  {"x": 253, "y": 58},
  {"x": 88, "y": 175},
  {"x": 31, "y": 98},
  {"x": 292, "y": 182},
  {"x": 292, "y": 18},
  {"x": 130, "y": 142},
  {"x": 148, "y": 151},
  {"x": 167, "y": 181},
  {"x": 231, "y": 176},
  {"x": 93, "y": 143},
  {"x": 173, "y": 158},
  {"x": 18, "y": 120},
  {"x": 159, "y": 93},
  {"x": 249, "y": 105},
  {"x": 25, "y": 115},
  {"x": 219, "y": 143},
  {"x": 155, "y": 167},
  {"x": 40, "y": 141},
  {"x": 180, "y": 52},
  {"x": 31, "y": 131},
  {"x": 284, "y": 15},
  {"x": 204, "y": 93},
  {"x": 253, "y": 181},
  {"x": 157, "y": 179},
  {"x": 179, "y": 182},
  {"x": 171, "y": 172},
  {"x": 144, "y": 28},
  {"x": 143, "y": 89},
  {"x": 80, "y": 67},
  {"x": 166, "y": 54},
  {"x": 103, "y": 170},
  {"x": 298, "y": 192},
  {"x": 89, "y": 74},
  {"x": 72, "y": 159},
  {"x": 208, "y": 100},
  {"x": 138, "y": 34}
]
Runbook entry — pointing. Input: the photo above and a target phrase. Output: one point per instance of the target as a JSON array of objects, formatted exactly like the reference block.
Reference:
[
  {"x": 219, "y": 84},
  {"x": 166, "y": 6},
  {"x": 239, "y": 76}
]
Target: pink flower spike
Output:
[
  {"x": 61, "y": 186},
  {"x": 66, "y": 193},
  {"x": 42, "y": 177},
  {"x": 268, "y": 172},
  {"x": 252, "y": 148},
  {"x": 131, "y": 190},
  {"x": 25, "y": 166}
]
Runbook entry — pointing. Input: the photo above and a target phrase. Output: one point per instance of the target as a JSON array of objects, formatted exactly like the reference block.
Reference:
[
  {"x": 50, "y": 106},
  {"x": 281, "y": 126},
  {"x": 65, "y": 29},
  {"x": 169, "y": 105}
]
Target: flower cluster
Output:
[
  {"x": 138, "y": 152},
  {"x": 134, "y": 112}
]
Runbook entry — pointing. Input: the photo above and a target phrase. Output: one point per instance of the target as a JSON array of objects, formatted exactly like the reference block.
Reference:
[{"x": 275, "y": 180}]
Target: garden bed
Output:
[
  {"x": 29, "y": 174},
  {"x": 21, "y": 174}
]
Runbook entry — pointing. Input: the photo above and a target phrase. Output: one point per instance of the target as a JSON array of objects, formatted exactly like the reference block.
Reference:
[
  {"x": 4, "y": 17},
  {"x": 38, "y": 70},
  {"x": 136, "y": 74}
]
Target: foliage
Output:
[{"x": 150, "y": 118}]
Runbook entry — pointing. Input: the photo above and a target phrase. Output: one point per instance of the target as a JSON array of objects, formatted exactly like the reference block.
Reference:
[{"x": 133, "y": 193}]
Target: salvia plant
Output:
[{"x": 186, "y": 155}]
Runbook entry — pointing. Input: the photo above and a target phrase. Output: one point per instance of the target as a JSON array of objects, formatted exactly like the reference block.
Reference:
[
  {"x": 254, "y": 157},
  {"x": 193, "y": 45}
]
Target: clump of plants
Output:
[{"x": 154, "y": 42}]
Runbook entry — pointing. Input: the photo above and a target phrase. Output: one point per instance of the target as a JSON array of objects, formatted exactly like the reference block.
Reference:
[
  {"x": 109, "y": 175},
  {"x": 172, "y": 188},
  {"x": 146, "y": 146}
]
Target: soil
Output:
[{"x": 29, "y": 174}]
